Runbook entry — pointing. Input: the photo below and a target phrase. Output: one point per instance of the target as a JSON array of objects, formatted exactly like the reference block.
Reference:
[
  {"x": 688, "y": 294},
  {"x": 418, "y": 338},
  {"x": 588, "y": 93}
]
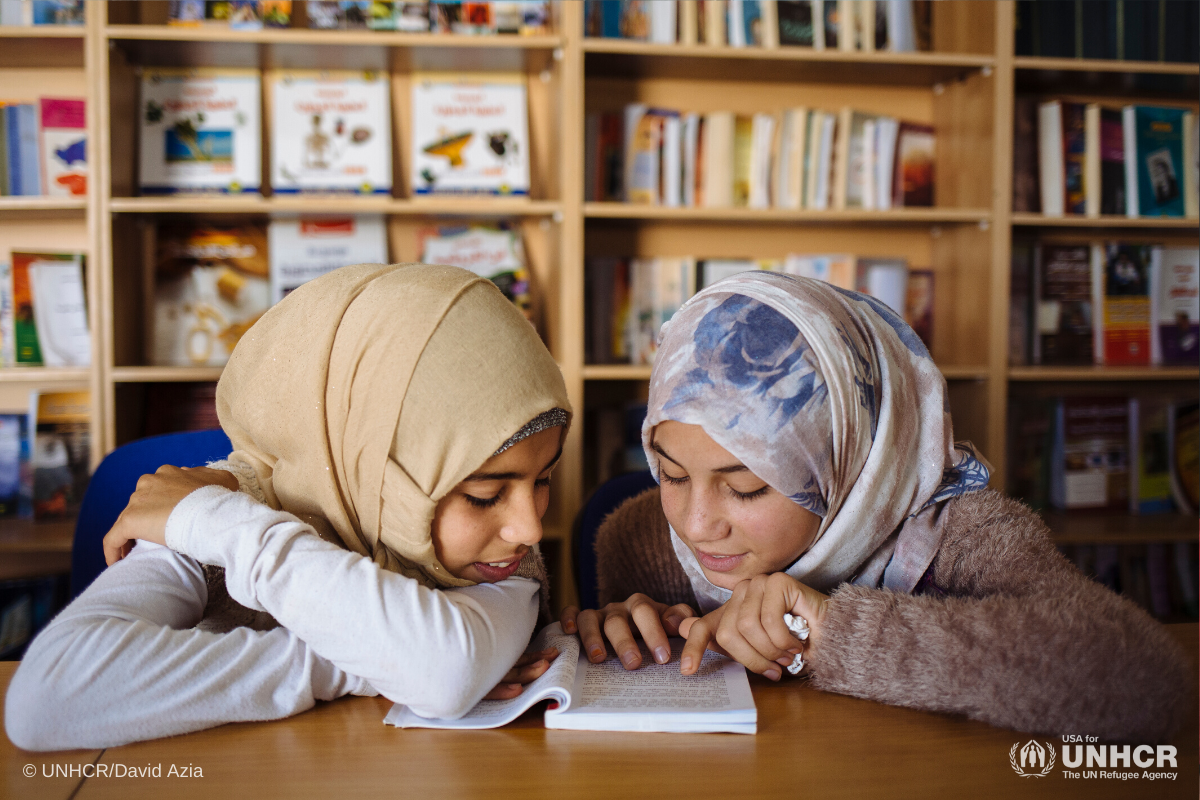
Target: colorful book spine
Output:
[
  {"x": 25, "y": 338},
  {"x": 1121, "y": 286},
  {"x": 1176, "y": 297}
]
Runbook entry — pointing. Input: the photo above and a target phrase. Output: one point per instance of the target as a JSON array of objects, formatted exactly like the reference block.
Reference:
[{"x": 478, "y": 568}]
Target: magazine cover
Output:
[
  {"x": 331, "y": 132},
  {"x": 211, "y": 285},
  {"x": 470, "y": 134},
  {"x": 64, "y": 147},
  {"x": 200, "y": 131},
  {"x": 494, "y": 253},
  {"x": 303, "y": 249}
]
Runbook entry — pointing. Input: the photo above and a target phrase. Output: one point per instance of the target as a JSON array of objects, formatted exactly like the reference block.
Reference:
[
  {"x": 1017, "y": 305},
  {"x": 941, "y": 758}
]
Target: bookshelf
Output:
[{"x": 965, "y": 87}]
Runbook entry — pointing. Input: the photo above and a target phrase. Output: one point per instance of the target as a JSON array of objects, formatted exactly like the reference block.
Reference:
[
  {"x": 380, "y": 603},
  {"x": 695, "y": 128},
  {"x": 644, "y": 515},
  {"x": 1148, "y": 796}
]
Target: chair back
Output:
[
  {"x": 116, "y": 478},
  {"x": 603, "y": 502}
]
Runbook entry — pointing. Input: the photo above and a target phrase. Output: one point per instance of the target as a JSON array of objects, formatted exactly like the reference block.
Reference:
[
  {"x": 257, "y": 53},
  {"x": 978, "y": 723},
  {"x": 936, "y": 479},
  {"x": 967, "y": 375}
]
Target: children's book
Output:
[
  {"x": 64, "y": 147},
  {"x": 61, "y": 444},
  {"x": 211, "y": 285},
  {"x": 303, "y": 249},
  {"x": 245, "y": 15},
  {"x": 59, "y": 310},
  {"x": 325, "y": 14},
  {"x": 470, "y": 134},
  {"x": 1121, "y": 299},
  {"x": 332, "y": 132},
  {"x": 200, "y": 131},
  {"x": 606, "y": 697},
  {"x": 493, "y": 253},
  {"x": 1175, "y": 284}
]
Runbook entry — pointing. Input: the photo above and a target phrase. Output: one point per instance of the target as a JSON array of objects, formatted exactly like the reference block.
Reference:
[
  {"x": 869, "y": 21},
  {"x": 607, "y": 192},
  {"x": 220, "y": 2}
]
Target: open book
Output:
[{"x": 605, "y": 697}]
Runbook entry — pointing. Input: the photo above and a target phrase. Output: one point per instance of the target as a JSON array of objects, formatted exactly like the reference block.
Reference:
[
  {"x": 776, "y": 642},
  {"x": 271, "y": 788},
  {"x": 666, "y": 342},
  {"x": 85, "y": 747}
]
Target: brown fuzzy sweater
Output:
[{"x": 1013, "y": 634}]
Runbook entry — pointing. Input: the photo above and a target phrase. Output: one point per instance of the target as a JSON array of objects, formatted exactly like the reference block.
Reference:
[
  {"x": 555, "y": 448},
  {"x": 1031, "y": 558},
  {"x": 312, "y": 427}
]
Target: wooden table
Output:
[{"x": 809, "y": 744}]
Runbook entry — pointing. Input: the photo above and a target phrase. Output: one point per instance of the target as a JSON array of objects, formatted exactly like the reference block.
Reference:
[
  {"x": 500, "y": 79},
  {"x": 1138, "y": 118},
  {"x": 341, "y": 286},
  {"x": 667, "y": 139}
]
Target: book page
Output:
[{"x": 555, "y": 684}]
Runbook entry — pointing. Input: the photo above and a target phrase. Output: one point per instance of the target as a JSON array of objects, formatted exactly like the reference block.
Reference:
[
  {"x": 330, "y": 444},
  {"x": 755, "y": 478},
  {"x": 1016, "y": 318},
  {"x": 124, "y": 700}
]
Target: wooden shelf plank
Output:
[
  {"x": 1104, "y": 65},
  {"x": 169, "y": 33},
  {"x": 1104, "y": 221},
  {"x": 42, "y": 31},
  {"x": 35, "y": 204},
  {"x": 165, "y": 374},
  {"x": 1110, "y": 528},
  {"x": 27, "y": 536},
  {"x": 896, "y": 216},
  {"x": 634, "y": 47},
  {"x": 1103, "y": 373},
  {"x": 641, "y": 372},
  {"x": 334, "y": 204},
  {"x": 37, "y": 375}
]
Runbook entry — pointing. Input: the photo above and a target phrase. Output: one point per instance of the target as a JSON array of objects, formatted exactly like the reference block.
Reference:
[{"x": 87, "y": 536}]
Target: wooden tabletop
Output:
[{"x": 808, "y": 744}]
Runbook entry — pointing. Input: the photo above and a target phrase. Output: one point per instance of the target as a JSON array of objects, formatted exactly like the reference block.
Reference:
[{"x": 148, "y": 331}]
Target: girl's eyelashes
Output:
[
  {"x": 749, "y": 495},
  {"x": 542, "y": 481},
  {"x": 482, "y": 502},
  {"x": 670, "y": 480}
]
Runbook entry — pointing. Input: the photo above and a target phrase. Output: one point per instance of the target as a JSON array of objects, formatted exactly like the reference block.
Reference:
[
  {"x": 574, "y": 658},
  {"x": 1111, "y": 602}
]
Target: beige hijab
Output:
[{"x": 368, "y": 394}]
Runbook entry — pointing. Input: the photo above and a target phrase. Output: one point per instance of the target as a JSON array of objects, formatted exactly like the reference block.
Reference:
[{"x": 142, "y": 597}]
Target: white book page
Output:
[{"x": 555, "y": 684}]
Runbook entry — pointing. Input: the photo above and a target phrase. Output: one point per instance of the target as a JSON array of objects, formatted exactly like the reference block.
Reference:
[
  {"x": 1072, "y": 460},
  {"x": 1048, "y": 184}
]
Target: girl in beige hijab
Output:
[{"x": 375, "y": 528}]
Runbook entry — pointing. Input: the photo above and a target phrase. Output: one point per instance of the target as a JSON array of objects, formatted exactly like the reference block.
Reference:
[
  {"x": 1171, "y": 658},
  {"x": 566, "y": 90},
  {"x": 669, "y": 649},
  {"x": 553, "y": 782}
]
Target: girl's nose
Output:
[
  {"x": 523, "y": 524},
  {"x": 702, "y": 522}
]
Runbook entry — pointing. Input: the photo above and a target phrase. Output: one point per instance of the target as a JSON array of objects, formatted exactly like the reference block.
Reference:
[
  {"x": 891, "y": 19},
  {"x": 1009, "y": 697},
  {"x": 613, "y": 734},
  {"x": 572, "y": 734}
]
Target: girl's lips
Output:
[
  {"x": 498, "y": 573},
  {"x": 719, "y": 563}
]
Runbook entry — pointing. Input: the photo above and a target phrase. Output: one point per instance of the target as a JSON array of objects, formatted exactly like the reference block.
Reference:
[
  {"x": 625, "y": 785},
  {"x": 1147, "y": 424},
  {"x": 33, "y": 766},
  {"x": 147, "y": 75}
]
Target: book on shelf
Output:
[
  {"x": 59, "y": 308},
  {"x": 200, "y": 131},
  {"x": 8, "y": 347},
  {"x": 1154, "y": 149},
  {"x": 26, "y": 605},
  {"x": 839, "y": 269},
  {"x": 19, "y": 143},
  {"x": 42, "y": 12},
  {"x": 1159, "y": 576},
  {"x": 1184, "y": 435},
  {"x": 303, "y": 248},
  {"x": 1051, "y": 167},
  {"x": 173, "y": 407},
  {"x": 1175, "y": 296},
  {"x": 1127, "y": 31},
  {"x": 1149, "y": 456},
  {"x": 1025, "y": 187},
  {"x": 607, "y": 697},
  {"x": 918, "y": 304},
  {"x": 495, "y": 253},
  {"x": 885, "y": 279},
  {"x": 211, "y": 283},
  {"x": 913, "y": 183},
  {"x": 59, "y": 422},
  {"x": 1075, "y": 156},
  {"x": 16, "y": 470},
  {"x": 64, "y": 146},
  {"x": 470, "y": 134},
  {"x": 1111, "y": 163},
  {"x": 1030, "y": 445},
  {"x": 1121, "y": 291},
  {"x": 711, "y": 270},
  {"x": 331, "y": 131},
  {"x": 1062, "y": 304},
  {"x": 1090, "y": 455},
  {"x": 1020, "y": 303}
]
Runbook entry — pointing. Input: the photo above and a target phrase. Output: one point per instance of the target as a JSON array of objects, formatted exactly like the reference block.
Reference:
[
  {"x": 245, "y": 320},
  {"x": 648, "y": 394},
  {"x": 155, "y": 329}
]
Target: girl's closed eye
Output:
[
  {"x": 662, "y": 473},
  {"x": 759, "y": 492},
  {"x": 483, "y": 502}
]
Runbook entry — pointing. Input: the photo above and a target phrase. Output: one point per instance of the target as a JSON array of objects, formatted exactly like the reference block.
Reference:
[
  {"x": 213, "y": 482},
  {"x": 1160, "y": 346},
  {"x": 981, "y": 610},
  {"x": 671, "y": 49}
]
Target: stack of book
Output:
[
  {"x": 798, "y": 159},
  {"x": 628, "y": 300},
  {"x": 43, "y": 148},
  {"x": 1128, "y": 454},
  {"x": 1119, "y": 303},
  {"x": 41, "y": 12},
  {"x": 1128, "y": 30},
  {"x": 525, "y": 17},
  {"x": 848, "y": 25},
  {"x": 44, "y": 461},
  {"x": 43, "y": 313},
  {"x": 1087, "y": 159},
  {"x": 331, "y": 132}
]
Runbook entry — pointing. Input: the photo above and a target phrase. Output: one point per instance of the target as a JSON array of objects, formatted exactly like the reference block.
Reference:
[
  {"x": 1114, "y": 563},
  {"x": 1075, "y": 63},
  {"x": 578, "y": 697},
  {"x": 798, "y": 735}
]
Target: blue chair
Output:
[
  {"x": 114, "y": 481},
  {"x": 603, "y": 502}
]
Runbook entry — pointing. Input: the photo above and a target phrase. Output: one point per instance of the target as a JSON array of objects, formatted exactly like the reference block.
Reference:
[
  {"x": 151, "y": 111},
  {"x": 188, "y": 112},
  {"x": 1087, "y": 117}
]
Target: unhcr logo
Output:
[{"x": 1034, "y": 756}]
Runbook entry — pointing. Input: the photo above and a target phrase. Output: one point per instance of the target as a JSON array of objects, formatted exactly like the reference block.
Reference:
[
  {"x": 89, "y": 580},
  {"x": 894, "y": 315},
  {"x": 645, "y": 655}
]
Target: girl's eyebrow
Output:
[
  {"x": 509, "y": 476},
  {"x": 720, "y": 470}
]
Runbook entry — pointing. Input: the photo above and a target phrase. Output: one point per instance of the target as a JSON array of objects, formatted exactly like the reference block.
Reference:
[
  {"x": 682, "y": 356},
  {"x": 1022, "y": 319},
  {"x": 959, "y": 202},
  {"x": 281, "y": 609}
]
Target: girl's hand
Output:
[
  {"x": 528, "y": 669},
  {"x": 750, "y": 627},
  {"x": 145, "y": 517},
  {"x": 655, "y": 621}
]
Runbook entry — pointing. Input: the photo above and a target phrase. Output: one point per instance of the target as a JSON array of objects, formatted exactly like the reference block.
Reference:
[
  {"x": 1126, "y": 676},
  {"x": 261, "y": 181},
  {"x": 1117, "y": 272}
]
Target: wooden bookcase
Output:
[{"x": 965, "y": 87}]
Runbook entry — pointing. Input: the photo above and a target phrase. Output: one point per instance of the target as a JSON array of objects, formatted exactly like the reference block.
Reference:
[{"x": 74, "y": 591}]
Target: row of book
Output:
[
  {"x": 1123, "y": 303},
  {"x": 799, "y": 158},
  {"x": 43, "y": 312},
  {"x": 212, "y": 283},
  {"x": 1128, "y": 30},
  {"x": 44, "y": 466},
  {"x": 43, "y": 148},
  {"x": 1088, "y": 159},
  {"x": 331, "y": 131},
  {"x": 1139, "y": 455},
  {"x": 524, "y": 17},
  {"x": 627, "y": 301},
  {"x": 1158, "y": 576},
  {"x": 26, "y": 605},
  {"x": 847, "y": 25},
  {"x": 41, "y": 12}
]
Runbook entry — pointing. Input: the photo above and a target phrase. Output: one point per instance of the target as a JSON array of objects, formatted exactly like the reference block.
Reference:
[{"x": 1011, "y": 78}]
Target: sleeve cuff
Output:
[{"x": 181, "y": 531}]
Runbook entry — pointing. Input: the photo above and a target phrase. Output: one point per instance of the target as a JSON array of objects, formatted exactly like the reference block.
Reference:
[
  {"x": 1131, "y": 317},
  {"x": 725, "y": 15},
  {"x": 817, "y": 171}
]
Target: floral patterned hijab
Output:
[{"x": 829, "y": 397}]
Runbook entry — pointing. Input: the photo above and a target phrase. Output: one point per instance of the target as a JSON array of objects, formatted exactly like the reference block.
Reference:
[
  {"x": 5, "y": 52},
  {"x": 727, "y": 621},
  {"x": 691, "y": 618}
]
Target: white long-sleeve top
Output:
[{"x": 124, "y": 662}]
